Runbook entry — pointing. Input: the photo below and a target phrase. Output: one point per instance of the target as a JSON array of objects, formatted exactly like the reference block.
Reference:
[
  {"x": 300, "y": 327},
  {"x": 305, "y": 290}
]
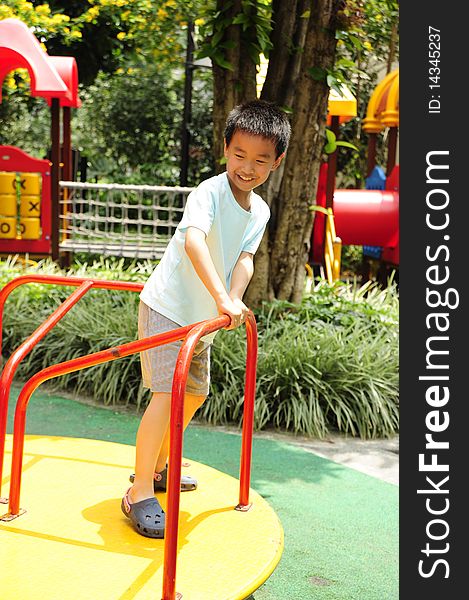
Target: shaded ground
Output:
[{"x": 340, "y": 524}]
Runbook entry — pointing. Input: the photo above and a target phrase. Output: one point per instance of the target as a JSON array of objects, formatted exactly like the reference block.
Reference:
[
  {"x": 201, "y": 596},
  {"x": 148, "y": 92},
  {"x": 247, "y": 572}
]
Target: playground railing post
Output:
[
  {"x": 248, "y": 413},
  {"x": 12, "y": 363},
  {"x": 177, "y": 432},
  {"x": 84, "y": 284}
]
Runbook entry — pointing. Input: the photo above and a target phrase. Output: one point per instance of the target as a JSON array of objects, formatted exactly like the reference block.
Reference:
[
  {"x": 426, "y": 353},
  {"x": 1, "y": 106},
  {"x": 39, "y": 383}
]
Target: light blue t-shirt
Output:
[{"x": 174, "y": 289}]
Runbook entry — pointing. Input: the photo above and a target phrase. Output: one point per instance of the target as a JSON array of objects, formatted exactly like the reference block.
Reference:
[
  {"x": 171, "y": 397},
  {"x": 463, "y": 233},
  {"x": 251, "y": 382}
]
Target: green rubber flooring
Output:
[{"x": 341, "y": 526}]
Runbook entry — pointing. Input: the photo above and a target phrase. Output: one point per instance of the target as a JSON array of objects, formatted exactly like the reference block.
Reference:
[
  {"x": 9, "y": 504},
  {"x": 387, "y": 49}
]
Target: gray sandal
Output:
[
  {"x": 188, "y": 484},
  {"x": 146, "y": 516}
]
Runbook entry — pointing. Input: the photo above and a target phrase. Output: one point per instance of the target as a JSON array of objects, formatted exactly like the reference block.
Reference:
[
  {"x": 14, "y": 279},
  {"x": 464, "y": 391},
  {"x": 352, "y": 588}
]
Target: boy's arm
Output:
[
  {"x": 242, "y": 275},
  {"x": 197, "y": 250}
]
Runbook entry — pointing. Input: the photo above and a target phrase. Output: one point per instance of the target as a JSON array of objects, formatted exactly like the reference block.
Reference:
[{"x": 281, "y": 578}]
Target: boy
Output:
[{"x": 204, "y": 272}]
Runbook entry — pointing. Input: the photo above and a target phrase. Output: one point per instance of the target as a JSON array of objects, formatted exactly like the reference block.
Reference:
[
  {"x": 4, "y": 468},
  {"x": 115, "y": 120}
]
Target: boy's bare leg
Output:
[
  {"x": 152, "y": 444},
  {"x": 150, "y": 436},
  {"x": 191, "y": 404}
]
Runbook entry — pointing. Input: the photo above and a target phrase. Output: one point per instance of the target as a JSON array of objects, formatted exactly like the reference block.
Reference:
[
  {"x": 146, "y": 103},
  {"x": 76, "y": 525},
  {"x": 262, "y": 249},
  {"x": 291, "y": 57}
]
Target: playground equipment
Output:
[
  {"x": 362, "y": 217},
  {"x": 54, "y": 78},
  {"x": 217, "y": 539},
  {"x": 135, "y": 221},
  {"x": 367, "y": 217},
  {"x": 25, "y": 179},
  {"x": 370, "y": 217},
  {"x": 382, "y": 112},
  {"x": 331, "y": 244}
]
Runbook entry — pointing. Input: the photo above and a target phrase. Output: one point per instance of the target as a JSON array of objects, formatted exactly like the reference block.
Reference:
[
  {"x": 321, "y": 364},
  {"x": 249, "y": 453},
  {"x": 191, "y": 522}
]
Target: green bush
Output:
[{"x": 330, "y": 363}]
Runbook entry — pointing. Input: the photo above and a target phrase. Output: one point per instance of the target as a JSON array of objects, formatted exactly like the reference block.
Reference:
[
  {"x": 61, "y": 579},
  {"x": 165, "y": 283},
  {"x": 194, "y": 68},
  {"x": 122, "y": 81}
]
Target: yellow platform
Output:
[{"x": 73, "y": 542}]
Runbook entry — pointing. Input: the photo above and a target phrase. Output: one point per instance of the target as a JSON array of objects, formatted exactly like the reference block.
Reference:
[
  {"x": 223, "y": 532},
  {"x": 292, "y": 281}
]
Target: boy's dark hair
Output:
[{"x": 259, "y": 117}]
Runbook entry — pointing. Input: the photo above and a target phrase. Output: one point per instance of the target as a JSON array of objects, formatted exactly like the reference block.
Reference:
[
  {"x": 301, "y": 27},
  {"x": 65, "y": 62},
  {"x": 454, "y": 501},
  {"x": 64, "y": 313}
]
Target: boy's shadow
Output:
[{"x": 119, "y": 536}]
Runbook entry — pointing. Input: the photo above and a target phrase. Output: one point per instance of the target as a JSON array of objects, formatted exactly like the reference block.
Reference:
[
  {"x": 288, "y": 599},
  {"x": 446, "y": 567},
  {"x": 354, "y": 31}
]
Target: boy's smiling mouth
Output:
[{"x": 243, "y": 178}]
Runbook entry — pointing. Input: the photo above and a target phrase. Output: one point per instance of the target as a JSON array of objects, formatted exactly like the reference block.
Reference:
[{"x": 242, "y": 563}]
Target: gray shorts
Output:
[{"x": 158, "y": 363}]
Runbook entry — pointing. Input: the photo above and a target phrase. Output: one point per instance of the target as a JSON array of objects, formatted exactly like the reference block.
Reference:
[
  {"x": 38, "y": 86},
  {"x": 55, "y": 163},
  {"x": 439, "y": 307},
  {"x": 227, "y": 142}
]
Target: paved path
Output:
[{"x": 378, "y": 458}]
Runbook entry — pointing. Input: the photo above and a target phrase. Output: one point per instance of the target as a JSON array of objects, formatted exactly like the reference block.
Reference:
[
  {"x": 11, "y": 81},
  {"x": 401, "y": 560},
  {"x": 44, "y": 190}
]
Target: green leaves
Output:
[
  {"x": 318, "y": 74},
  {"x": 254, "y": 23},
  {"x": 219, "y": 58},
  {"x": 332, "y": 143},
  {"x": 328, "y": 363},
  {"x": 333, "y": 78}
]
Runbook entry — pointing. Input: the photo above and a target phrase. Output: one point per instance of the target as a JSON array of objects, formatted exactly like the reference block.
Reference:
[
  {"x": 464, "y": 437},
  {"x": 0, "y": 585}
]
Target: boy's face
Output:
[{"x": 249, "y": 161}]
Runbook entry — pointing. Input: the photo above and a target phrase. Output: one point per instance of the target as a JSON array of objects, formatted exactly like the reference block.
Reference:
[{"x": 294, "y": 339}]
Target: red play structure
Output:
[
  {"x": 368, "y": 217},
  {"x": 362, "y": 217},
  {"x": 54, "y": 78}
]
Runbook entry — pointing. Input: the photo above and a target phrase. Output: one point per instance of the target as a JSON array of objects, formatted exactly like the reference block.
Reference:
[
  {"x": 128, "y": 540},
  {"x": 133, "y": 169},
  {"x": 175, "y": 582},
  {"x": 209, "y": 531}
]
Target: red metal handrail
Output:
[
  {"x": 192, "y": 334},
  {"x": 61, "y": 280},
  {"x": 248, "y": 411},
  {"x": 176, "y": 437},
  {"x": 6, "y": 378},
  {"x": 70, "y": 366}
]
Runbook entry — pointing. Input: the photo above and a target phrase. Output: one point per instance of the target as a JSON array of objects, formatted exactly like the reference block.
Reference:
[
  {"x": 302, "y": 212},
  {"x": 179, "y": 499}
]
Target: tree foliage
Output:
[
  {"x": 40, "y": 16},
  {"x": 143, "y": 144},
  {"x": 131, "y": 101},
  {"x": 131, "y": 56},
  {"x": 103, "y": 34},
  {"x": 233, "y": 34}
]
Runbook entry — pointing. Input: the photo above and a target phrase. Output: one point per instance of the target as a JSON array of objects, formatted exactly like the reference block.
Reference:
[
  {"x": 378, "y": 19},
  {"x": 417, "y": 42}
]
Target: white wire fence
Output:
[{"x": 135, "y": 221}]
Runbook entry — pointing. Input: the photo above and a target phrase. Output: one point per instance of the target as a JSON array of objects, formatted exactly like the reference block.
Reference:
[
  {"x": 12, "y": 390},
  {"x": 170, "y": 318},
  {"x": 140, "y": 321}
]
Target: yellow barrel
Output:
[
  {"x": 30, "y": 228},
  {"x": 8, "y": 205},
  {"x": 30, "y": 184},
  {"x": 7, "y": 183},
  {"x": 7, "y": 228},
  {"x": 30, "y": 206}
]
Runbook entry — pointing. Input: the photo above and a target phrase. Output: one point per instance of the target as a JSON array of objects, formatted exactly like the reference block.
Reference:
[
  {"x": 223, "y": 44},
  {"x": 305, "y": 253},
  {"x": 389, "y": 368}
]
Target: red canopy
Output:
[{"x": 51, "y": 76}]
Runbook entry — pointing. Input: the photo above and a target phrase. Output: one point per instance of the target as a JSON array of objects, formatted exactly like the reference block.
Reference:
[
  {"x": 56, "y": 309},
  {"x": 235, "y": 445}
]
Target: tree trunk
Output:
[
  {"x": 392, "y": 47},
  {"x": 232, "y": 87},
  {"x": 288, "y": 37},
  {"x": 280, "y": 261}
]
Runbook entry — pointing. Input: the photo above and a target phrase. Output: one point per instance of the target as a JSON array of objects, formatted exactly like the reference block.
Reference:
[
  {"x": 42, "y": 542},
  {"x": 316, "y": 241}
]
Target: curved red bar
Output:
[
  {"x": 192, "y": 334},
  {"x": 69, "y": 366},
  {"x": 175, "y": 449},
  {"x": 60, "y": 280},
  {"x": 176, "y": 437},
  {"x": 248, "y": 414},
  {"x": 11, "y": 365}
]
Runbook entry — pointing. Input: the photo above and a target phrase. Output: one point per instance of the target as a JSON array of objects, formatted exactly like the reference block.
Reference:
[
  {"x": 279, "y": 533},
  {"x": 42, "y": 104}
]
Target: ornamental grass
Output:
[{"x": 327, "y": 364}]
